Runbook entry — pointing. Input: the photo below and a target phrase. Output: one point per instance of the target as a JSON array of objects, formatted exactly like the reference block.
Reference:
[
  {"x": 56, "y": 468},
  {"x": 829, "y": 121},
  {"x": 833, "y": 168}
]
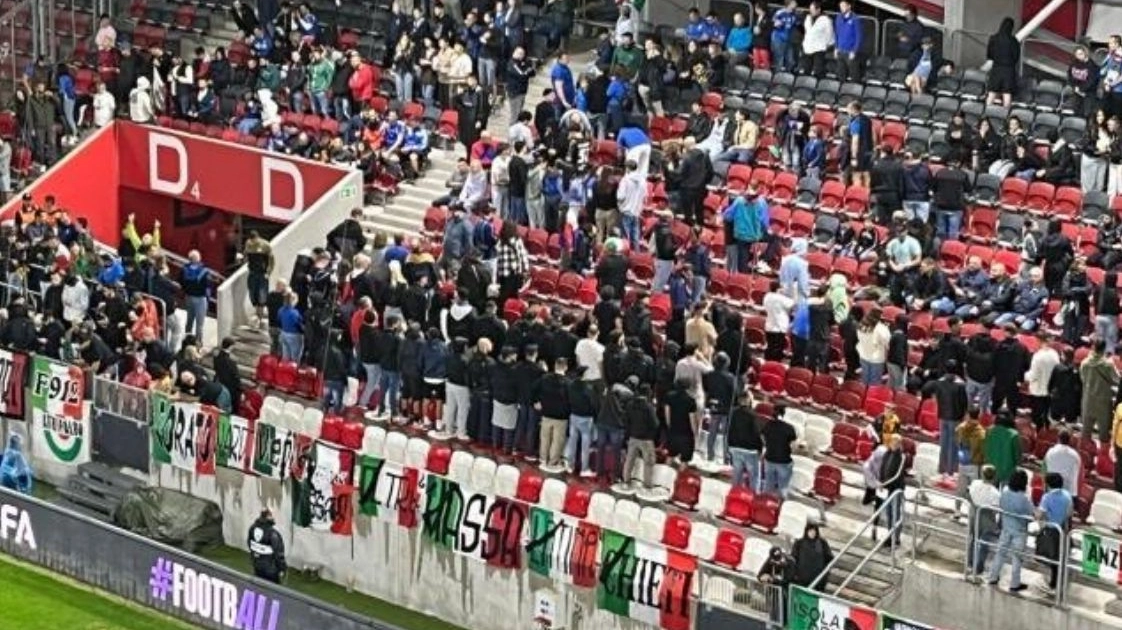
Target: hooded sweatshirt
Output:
[
  {"x": 15, "y": 473},
  {"x": 141, "y": 109}
]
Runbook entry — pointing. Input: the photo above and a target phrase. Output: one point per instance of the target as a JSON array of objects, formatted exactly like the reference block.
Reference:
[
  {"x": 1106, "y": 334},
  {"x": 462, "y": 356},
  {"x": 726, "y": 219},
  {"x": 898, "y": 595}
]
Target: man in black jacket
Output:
[
  {"x": 642, "y": 428},
  {"x": 694, "y": 173},
  {"x": 610, "y": 429},
  {"x": 1012, "y": 359},
  {"x": 266, "y": 548},
  {"x": 611, "y": 271},
  {"x": 651, "y": 86},
  {"x": 457, "y": 395},
  {"x": 892, "y": 478},
  {"x": 950, "y": 405},
  {"x": 518, "y": 81},
  {"x": 745, "y": 443},
  {"x": 583, "y": 408},
  {"x": 887, "y": 184},
  {"x": 948, "y": 198},
  {"x": 551, "y": 399},
  {"x": 505, "y": 394},
  {"x": 528, "y": 373},
  {"x": 226, "y": 372},
  {"x": 720, "y": 391}
]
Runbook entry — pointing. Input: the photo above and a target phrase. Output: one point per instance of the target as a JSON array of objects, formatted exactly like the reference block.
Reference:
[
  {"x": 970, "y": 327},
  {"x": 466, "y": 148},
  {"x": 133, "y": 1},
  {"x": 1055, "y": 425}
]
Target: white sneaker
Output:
[
  {"x": 587, "y": 473},
  {"x": 439, "y": 434},
  {"x": 623, "y": 488}
]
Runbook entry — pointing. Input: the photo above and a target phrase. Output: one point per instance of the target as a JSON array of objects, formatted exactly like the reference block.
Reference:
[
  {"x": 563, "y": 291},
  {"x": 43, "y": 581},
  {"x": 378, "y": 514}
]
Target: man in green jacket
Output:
[
  {"x": 319, "y": 82},
  {"x": 1003, "y": 446}
]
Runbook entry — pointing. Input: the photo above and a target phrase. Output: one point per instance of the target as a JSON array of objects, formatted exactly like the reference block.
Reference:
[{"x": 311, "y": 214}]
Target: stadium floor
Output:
[{"x": 33, "y": 599}]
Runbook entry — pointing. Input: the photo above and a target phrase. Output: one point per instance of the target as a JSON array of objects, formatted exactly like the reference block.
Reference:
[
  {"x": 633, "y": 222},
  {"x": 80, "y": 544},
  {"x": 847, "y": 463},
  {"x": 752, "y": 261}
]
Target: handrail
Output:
[
  {"x": 1061, "y": 562},
  {"x": 916, "y": 525},
  {"x": 871, "y": 521},
  {"x": 771, "y": 594},
  {"x": 182, "y": 261}
]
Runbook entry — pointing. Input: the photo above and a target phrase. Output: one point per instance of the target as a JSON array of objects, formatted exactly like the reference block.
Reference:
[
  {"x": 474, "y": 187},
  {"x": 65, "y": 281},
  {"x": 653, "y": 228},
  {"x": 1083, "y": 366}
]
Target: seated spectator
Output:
[
  {"x": 923, "y": 62},
  {"x": 1028, "y": 302},
  {"x": 930, "y": 288},
  {"x": 741, "y": 139}
]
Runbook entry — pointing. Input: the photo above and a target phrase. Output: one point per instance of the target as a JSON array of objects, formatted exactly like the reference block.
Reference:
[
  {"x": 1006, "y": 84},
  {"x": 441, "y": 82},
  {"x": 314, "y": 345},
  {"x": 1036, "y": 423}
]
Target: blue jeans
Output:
[
  {"x": 948, "y": 223},
  {"x": 948, "y": 449},
  {"x": 342, "y": 107},
  {"x": 983, "y": 392},
  {"x": 581, "y": 431},
  {"x": 782, "y": 55},
  {"x": 871, "y": 373},
  {"x": 1025, "y": 322},
  {"x": 1010, "y": 543},
  {"x": 291, "y": 346},
  {"x": 732, "y": 257},
  {"x": 736, "y": 156},
  {"x": 777, "y": 478},
  {"x": 527, "y": 433},
  {"x": 662, "y": 271},
  {"x": 518, "y": 214},
  {"x": 745, "y": 467},
  {"x": 943, "y": 306},
  {"x": 321, "y": 104},
  {"x": 718, "y": 427},
  {"x": 609, "y": 441},
  {"x": 68, "y": 105},
  {"x": 196, "y": 315},
  {"x": 977, "y": 560},
  {"x": 333, "y": 396},
  {"x": 298, "y": 101},
  {"x": 428, "y": 94},
  {"x": 917, "y": 209},
  {"x": 699, "y": 285},
  {"x": 373, "y": 377},
  {"x": 893, "y": 513},
  {"x": 403, "y": 85},
  {"x": 631, "y": 231},
  {"x": 1106, "y": 328},
  {"x": 390, "y": 384}
]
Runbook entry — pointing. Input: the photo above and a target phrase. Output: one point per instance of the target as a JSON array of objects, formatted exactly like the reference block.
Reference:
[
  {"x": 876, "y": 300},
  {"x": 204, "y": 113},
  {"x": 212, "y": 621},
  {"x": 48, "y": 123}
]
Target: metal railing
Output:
[
  {"x": 894, "y": 501},
  {"x": 1060, "y": 563},
  {"x": 121, "y": 399},
  {"x": 741, "y": 593},
  {"x": 922, "y": 527}
]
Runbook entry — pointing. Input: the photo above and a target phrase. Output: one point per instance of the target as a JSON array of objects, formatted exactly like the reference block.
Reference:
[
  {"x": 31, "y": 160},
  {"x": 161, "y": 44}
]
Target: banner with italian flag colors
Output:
[
  {"x": 809, "y": 610},
  {"x": 1100, "y": 558},
  {"x": 323, "y": 495},
  {"x": 389, "y": 491},
  {"x": 184, "y": 434},
  {"x": 13, "y": 376},
  {"x": 473, "y": 524},
  {"x": 563, "y": 548},
  {"x": 645, "y": 582},
  {"x": 889, "y": 622},
  {"x": 57, "y": 412},
  {"x": 235, "y": 442}
]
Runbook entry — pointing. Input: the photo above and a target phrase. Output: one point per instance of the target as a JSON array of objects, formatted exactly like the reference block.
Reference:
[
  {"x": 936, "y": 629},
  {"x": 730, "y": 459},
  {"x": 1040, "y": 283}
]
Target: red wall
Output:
[
  {"x": 85, "y": 183},
  {"x": 1063, "y": 21},
  {"x": 190, "y": 227}
]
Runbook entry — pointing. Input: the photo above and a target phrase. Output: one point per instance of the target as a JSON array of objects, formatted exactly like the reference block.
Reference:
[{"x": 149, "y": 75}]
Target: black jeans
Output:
[
  {"x": 818, "y": 355},
  {"x": 1006, "y": 394},
  {"x": 776, "y": 344}
]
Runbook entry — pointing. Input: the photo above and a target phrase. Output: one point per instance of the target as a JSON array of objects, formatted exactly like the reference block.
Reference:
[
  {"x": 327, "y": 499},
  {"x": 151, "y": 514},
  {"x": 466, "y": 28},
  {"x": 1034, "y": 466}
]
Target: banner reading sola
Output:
[
  {"x": 646, "y": 582},
  {"x": 57, "y": 411},
  {"x": 563, "y": 547},
  {"x": 473, "y": 524},
  {"x": 1100, "y": 558},
  {"x": 813, "y": 611},
  {"x": 184, "y": 434}
]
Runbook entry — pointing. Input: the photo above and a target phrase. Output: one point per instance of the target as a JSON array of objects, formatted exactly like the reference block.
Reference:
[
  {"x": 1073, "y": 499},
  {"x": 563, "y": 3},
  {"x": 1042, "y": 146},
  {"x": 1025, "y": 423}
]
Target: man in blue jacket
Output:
[
  {"x": 1028, "y": 303},
  {"x": 847, "y": 34}
]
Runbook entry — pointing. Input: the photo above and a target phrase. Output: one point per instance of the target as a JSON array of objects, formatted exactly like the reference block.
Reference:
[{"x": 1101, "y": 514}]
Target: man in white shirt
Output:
[
  {"x": 984, "y": 494},
  {"x": 1039, "y": 374},
  {"x": 474, "y": 191},
  {"x": 777, "y": 307},
  {"x": 819, "y": 29},
  {"x": 1065, "y": 460},
  {"x": 590, "y": 355},
  {"x": 520, "y": 131},
  {"x": 631, "y": 196}
]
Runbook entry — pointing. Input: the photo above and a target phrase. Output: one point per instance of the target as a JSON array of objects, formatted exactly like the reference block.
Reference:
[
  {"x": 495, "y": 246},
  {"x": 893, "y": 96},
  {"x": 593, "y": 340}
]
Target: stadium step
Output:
[
  {"x": 101, "y": 506},
  {"x": 78, "y": 508},
  {"x": 108, "y": 476}
]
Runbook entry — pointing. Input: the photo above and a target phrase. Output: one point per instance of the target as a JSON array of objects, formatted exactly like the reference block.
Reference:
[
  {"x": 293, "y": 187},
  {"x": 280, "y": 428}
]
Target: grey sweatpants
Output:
[
  {"x": 457, "y": 403},
  {"x": 644, "y": 449}
]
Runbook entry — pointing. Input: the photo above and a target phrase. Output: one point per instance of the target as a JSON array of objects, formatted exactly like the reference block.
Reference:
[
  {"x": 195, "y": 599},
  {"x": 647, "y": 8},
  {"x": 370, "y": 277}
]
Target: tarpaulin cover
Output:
[{"x": 171, "y": 517}]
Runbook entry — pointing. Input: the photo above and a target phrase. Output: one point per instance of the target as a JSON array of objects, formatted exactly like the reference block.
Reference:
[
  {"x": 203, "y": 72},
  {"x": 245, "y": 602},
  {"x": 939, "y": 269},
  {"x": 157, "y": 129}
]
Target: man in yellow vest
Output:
[{"x": 1116, "y": 439}]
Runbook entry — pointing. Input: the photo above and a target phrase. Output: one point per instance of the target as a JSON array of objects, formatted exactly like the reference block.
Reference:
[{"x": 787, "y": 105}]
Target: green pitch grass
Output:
[{"x": 32, "y": 599}]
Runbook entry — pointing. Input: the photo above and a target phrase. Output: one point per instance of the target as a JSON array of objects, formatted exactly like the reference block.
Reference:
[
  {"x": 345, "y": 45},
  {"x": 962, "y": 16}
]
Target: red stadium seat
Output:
[
  {"x": 529, "y": 489},
  {"x": 827, "y": 483},
  {"x": 843, "y": 440},
  {"x": 822, "y": 390},
  {"x": 832, "y": 196},
  {"x": 765, "y": 512},
  {"x": 307, "y": 382},
  {"x": 798, "y": 383},
  {"x": 952, "y": 255},
  {"x": 738, "y": 506},
  {"x": 543, "y": 281},
  {"x": 738, "y": 177},
  {"x": 1013, "y": 192},
  {"x": 730, "y": 547},
  {"x": 1038, "y": 197},
  {"x": 772, "y": 376},
  {"x": 676, "y": 531},
  {"x": 266, "y": 371},
  {"x": 577, "y": 498},
  {"x": 285, "y": 376}
]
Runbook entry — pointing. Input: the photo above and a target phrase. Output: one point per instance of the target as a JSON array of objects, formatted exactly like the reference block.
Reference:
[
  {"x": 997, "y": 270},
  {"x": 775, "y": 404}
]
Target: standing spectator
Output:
[
  {"x": 335, "y": 370},
  {"x": 847, "y": 27},
  {"x": 1116, "y": 443},
  {"x": 642, "y": 429},
  {"x": 812, "y": 556},
  {"x": 970, "y": 439},
  {"x": 948, "y": 190},
  {"x": 1107, "y": 308},
  {"x": 610, "y": 429},
  {"x": 873, "y": 339},
  {"x": 745, "y": 443},
  {"x": 513, "y": 262},
  {"x": 1065, "y": 461},
  {"x": 1038, "y": 378},
  {"x": 1003, "y": 447},
  {"x": 226, "y": 372},
  {"x": 519, "y": 72},
  {"x": 860, "y": 140},
  {"x": 1004, "y": 51},
  {"x": 1054, "y": 513},
  {"x": 195, "y": 280},
  {"x": 682, "y": 414},
  {"x": 761, "y": 35},
  {"x": 887, "y": 184},
  {"x": 951, "y": 406},
  {"x": 291, "y": 324},
  {"x": 551, "y": 400},
  {"x": 893, "y": 474},
  {"x": 1099, "y": 377},
  {"x": 778, "y": 437},
  {"x": 1065, "y": 389},
  {"x": 1083, "y": 77},
  {"x": 910, "y": 35},
  {"x": 1016, "y": 514},
  {"x": 793, "y": 126},
  {"x": 783, "y": 27},
  {"x": 259, "y": 262},
  {"x": 817, "y": 39},
  {"x": 777, "y": 307},
  {"x": 985, "y": 500},
  {"x": 631, "y": 197},
  {"x": 583, "y": 406}
]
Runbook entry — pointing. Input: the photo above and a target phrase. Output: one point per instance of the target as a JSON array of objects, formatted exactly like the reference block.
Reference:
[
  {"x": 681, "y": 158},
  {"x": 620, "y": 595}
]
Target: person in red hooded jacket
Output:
[{"x": 362, "y": 80}]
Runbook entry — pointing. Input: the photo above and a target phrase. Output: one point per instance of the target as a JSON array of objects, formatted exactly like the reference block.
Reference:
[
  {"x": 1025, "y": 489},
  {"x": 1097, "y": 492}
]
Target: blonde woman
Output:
[
  {"x": 395, "y": 293},
  {"x": 872, "y": 347}
]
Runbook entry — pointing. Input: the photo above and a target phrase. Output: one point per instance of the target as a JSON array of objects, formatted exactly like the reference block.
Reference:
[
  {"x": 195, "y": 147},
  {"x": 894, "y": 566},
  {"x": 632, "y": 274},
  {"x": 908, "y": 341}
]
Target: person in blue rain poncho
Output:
[{"x": 15, "y": 472}]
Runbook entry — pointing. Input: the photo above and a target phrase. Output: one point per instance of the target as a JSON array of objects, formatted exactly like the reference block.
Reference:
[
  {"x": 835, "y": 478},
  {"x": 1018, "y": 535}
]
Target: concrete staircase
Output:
[{"x": 95, "y": 490}]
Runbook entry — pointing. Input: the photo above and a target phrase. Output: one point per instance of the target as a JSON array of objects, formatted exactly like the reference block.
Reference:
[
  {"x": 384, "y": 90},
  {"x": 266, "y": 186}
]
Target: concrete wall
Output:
[
  {"x": 968, "y": 25},
  {"x": 950, "y": 602},
  {"x": 308, "y": 231},
  {"x": 394, "y": 563}
]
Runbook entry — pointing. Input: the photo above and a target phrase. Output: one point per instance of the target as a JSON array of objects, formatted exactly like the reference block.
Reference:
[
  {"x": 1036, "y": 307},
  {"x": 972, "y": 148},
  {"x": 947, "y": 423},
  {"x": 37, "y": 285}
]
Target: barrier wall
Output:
[{"x": 160, "y": 577}]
